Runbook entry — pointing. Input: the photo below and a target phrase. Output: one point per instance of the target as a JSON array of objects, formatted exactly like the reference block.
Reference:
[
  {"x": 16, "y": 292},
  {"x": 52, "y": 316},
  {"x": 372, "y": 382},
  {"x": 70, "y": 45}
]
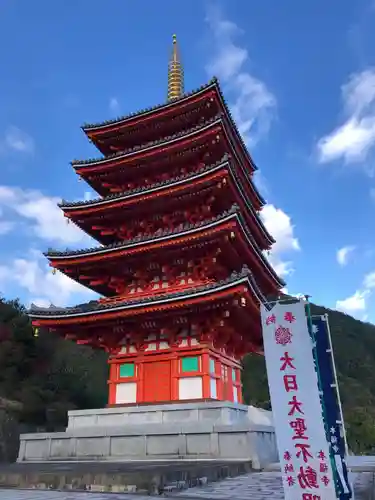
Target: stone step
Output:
[
  {"x": 151, "y": 478},
  {"x": 254, "y": 486},
  {"x": 264, "y": 486}
]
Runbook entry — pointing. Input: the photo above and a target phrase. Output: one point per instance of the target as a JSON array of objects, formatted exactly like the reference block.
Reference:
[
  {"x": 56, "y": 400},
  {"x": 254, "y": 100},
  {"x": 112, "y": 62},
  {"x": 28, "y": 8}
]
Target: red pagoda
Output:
[{"x": 181, "y": 264}]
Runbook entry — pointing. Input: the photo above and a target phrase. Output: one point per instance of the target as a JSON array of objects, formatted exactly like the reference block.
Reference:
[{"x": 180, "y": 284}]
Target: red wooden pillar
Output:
[
  {"x": 112, "y": 382},
  {"x": 140, "y": 380},
  {"x": 206, "y": 378},
  {"x": 220, "y": 383},
  {"x": 174, "y": 378},
  {"x": 230, "y": 387}
]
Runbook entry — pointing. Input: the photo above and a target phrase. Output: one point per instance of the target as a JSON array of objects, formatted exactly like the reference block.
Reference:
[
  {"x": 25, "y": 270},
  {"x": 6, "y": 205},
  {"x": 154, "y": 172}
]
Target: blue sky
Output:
[{"x": 299, "y": 77}]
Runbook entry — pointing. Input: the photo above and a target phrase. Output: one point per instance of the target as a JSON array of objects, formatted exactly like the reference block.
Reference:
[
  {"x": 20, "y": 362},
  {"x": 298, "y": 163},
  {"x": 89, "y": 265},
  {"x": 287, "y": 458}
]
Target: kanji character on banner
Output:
[
  {"x": 288, "y": 316},
  {"x": 295, "y": 405},
  {"x": 310, "y": 496},
  {"x": 287, "y": 362},
  {"x": 290, "y": 481},
  {"x": 288, "y": 468},
  {"x": 303, "y": 451},
  {"x": 323, "y": 467},
  {"x": 287, "y": 456},
  {"x": 290, "y": 383},
  {"x": 307, "y": 477},
  {"x": 325, "y": 480},
  {"x": 299, "y": 427},
  {"x": 271, "y": 319}
]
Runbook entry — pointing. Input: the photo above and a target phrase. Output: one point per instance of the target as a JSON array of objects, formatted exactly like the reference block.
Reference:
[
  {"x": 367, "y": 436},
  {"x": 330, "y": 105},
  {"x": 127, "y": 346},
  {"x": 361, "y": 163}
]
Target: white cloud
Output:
[
  {"x": 369, "y": 280},
  {"x": 254, "y": 105},
  {"x": 354, "y": 304},
  {"x": 357, "y": 303},
  {"x": 355, "y": 137},
  {"x": 114, "y": 105},
  {"x": 17, "y": 140},
  {"x": 88, "y": 195},
  {"x": 343, "y": 254},
  {"x": 46, "y": 219},
  {"x": 34, "y": 276},
  {"x": 280, "y": 226},
  {"x": 5, "y": 226}
]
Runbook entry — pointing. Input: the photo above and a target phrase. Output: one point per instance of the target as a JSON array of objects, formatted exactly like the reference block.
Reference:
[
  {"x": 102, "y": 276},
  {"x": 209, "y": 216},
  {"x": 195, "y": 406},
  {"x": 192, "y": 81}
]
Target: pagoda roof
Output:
[
  {"x": 146, "y": 188},
  {"x": 121, "y": 120},
  {"x": 197, "y": 129},
  {"x": 159, "y": 186},
  {"x": 202, "y": 292},
  {"x": 163, "y": 237}
]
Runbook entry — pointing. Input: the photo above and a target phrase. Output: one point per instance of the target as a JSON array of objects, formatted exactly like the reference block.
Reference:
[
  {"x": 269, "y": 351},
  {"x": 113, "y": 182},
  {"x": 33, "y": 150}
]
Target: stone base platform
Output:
[
  {"x": 148, "y": 478},
  {"x": 204, "y": 430}
]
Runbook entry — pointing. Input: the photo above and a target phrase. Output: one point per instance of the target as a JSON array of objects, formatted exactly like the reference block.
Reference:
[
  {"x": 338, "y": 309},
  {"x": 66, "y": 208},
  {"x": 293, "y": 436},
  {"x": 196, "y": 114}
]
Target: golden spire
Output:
[{"x": 175, "y": 74}]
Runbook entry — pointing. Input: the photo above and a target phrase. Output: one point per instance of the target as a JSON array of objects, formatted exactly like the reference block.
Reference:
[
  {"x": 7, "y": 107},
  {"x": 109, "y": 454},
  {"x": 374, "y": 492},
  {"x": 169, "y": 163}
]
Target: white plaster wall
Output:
[
  {"x": 126, "y": 393},
  {"x": 190, "y": 388},
  {"x": 213, "y": 388}
]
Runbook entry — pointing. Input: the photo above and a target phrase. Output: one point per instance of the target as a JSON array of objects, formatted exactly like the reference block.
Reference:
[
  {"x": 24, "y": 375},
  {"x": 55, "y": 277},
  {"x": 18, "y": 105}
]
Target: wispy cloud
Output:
[
  {"x": 353, "y": 140},
  {"x": 114, "y": 105},
  {"x": 279, "y": 224},
  {"x": 369, "y": 281},
  {"x": 254, "y": 104},
  {"x": 343, "y": 254},
  {"x": 33, "y": 274},
  {"x": 356, "y": 304},
  {"x": 44, "y": 218},
  {"x": 16, "y": 140}
]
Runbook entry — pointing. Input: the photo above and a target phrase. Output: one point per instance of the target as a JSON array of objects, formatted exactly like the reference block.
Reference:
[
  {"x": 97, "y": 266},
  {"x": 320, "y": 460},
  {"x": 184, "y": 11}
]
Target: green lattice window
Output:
[
  {"x": 127, "y": 370},
  {"x": 190, "y": 364}
]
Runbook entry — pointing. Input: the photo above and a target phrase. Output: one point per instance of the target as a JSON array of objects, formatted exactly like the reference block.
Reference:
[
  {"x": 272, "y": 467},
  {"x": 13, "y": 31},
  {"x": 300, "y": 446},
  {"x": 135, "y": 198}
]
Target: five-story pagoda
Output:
[{"x": 181, "y": 264}]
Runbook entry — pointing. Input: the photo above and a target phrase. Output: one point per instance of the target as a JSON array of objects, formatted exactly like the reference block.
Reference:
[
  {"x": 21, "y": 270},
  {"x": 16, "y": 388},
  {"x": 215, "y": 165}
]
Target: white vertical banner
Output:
[{"x": 296, "y": 407}]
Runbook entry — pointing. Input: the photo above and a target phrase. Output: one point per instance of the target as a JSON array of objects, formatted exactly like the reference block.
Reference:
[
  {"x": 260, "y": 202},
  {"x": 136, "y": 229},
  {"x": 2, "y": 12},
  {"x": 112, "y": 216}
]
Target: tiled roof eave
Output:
[
  {"x": 53, "y": 254},
  {"x": 144, "y": 190},
  {"x": 79, "y": 164},
  {"x": 191, "y": 229},
  {"x": 95, "y": 307},
  {"x": 91, "y": 127}
]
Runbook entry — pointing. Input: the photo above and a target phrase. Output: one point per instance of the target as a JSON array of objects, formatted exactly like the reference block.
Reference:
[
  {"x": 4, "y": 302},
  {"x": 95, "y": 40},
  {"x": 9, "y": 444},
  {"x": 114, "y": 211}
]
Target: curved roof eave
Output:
[
  {"x": 133, "y": 193},
  {"x": 245, "y": 276},
  {"x": 196, "y": 130},
  {"x": 144, "y": 190},
  {"x": 117, "y": 122},
  {"x": 227, "y": 216}
]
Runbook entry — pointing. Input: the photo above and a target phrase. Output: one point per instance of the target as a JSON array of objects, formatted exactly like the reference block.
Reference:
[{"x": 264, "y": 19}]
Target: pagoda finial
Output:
[{"x": 175, "y": 74}]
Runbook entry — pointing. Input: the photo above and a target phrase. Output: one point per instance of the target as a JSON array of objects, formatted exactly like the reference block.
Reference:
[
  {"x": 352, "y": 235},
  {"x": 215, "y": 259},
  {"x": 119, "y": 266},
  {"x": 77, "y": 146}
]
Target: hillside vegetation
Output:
[{"x": 43, "y": 377}]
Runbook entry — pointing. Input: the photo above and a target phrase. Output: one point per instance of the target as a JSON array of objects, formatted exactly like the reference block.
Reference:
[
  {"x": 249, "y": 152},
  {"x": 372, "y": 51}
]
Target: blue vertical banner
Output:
[{"x": 335, "y": 428}]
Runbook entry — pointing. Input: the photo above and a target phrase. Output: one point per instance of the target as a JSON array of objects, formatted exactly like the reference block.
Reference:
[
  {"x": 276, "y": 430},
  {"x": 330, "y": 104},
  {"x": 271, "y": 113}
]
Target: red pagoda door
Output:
[
  {"x": 157, "y": 381},
  {"x": 225, "y": 381}
]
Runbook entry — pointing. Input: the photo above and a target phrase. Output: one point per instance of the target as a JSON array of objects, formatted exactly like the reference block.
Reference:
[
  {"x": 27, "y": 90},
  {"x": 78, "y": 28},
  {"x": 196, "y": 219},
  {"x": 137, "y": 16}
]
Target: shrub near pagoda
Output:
[{"x": 43, "y": 376}]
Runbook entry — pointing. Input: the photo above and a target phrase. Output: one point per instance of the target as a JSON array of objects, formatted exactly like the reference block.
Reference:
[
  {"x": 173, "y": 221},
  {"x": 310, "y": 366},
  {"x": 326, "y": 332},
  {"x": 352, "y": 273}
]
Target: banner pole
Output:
[
  {"x": 337, "y": 385},
  {"x": 320, "y": 387}
]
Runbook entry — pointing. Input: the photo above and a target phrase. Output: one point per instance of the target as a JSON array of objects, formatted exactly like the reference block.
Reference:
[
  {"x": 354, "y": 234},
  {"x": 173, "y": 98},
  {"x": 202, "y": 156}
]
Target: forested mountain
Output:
[{"x": 42, "y": 377}]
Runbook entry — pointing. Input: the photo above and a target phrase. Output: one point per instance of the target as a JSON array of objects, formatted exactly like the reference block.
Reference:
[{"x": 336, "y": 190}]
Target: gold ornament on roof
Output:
[{"x": 175, "y": 74}]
